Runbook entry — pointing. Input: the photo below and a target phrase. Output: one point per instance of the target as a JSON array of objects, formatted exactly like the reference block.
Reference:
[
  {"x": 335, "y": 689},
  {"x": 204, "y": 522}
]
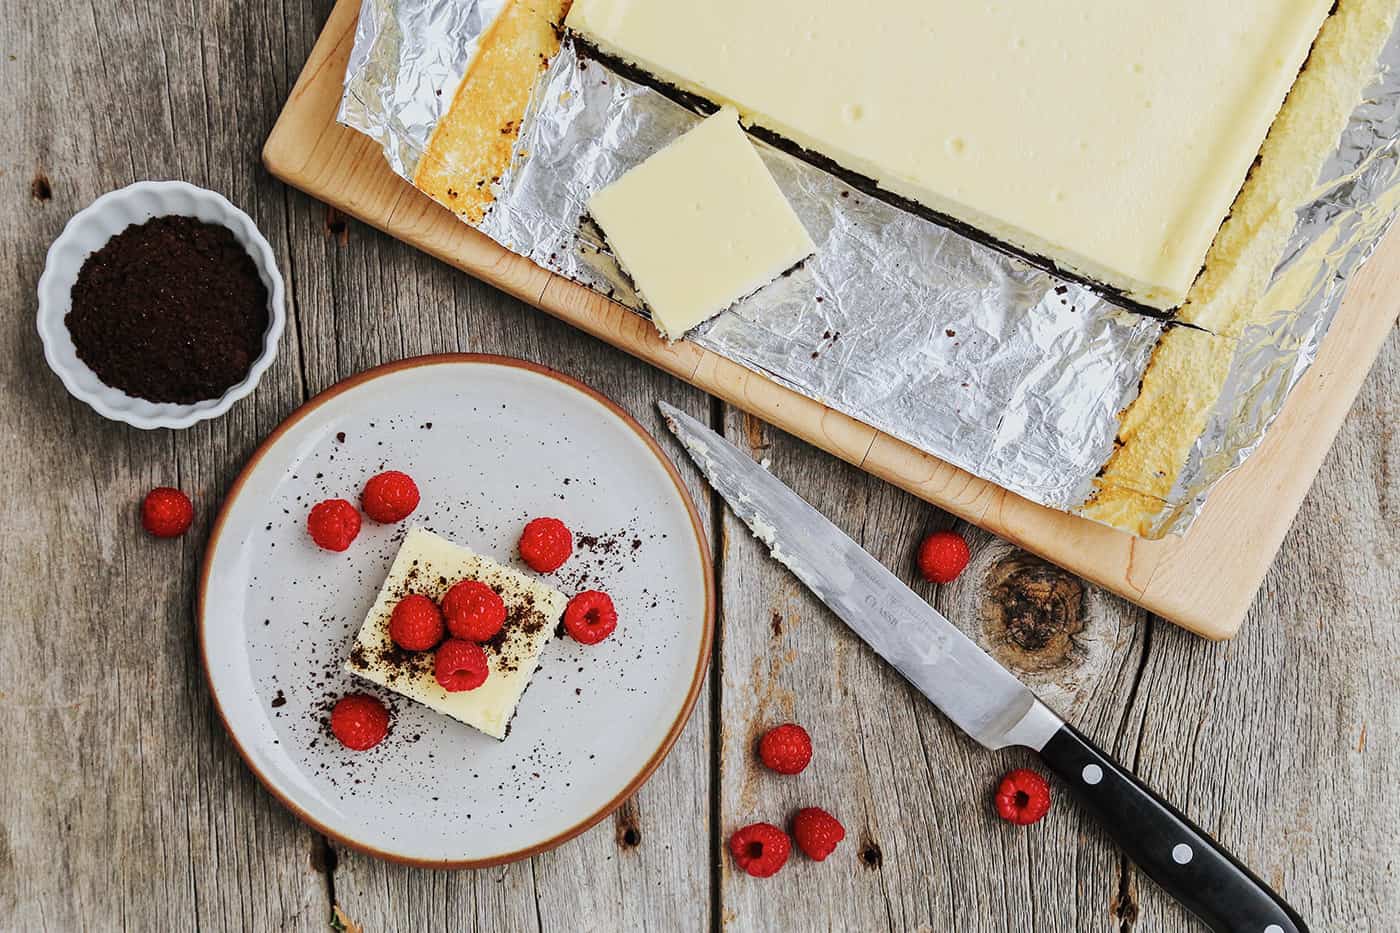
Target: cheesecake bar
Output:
[
  {"x": 1104, "y": 138},
  {"x": 700, "y": 224},
  {"x": 429, "y": 564}
]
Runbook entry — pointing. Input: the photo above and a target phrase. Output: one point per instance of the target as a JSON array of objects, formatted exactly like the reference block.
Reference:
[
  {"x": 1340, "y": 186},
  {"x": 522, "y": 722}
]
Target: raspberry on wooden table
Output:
[
  {"x": 590, "y": 617},
  {"x": 942, "y": 556},
  {"x": 166, "y": 512},
  {"x": 1022, "y": 797},
  {"x": 786, "y": 749},
  {"x": 333, "y": 524},
  {"x": 474, "y": 611},
  {"x": 817, "y": 832},
  {"x": 416, "y": 623},
  {"x": 389, "y": 497},
  {"x": 359, "y": 721},
  {"x": 760, "y": 849},
  {"x": 545, "y": 544},
  {"x": 460, "y": 665}
]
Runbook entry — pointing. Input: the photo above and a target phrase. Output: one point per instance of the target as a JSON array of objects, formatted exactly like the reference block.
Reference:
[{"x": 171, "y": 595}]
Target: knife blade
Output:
[
  {"x": 979, "y": 695},
  {"x": 906, "y": 631}
]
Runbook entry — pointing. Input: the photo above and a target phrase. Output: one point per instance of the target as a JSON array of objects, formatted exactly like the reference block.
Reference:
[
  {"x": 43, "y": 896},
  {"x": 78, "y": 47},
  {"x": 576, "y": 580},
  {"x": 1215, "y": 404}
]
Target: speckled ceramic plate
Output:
[{"x": 491, "y": 442}]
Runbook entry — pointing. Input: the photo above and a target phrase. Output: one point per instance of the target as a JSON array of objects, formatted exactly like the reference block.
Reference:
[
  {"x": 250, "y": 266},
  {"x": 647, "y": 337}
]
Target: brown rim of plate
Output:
[{"x": 697, "y": 679}]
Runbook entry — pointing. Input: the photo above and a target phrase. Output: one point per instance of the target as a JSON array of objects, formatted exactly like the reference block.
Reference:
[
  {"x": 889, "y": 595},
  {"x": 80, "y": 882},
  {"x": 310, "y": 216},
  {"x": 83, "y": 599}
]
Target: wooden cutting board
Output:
[{"x": 1204, "y": 581}]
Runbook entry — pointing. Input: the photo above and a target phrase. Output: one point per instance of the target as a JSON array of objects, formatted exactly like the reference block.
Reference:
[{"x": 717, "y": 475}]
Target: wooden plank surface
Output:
[
  {"x": 1204, "y": 581},
  {"x": 124, "y": 806}
]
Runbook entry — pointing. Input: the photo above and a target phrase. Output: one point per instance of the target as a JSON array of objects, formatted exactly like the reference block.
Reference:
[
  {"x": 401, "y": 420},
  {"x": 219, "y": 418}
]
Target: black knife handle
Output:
[{"x": 1169, "y": 848}]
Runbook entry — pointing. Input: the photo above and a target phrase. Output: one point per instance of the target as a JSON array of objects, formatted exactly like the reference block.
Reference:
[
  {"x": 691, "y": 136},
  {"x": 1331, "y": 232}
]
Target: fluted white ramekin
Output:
[{"x": 93, "y": 226}]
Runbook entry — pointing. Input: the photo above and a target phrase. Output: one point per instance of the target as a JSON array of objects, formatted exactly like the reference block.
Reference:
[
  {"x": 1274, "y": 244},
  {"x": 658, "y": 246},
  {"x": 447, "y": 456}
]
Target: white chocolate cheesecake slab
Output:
[
  {"x": 429, "y": 564},
  {"x": 1108, "y": 137},
  {"x": 700, "y": 224}
]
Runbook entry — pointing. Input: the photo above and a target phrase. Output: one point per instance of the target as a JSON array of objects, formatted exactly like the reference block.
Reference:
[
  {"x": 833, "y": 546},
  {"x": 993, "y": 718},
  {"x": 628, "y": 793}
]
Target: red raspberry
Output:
[
  {"x": 416, "y": 623},
  {"x": 359, "y": 721},
  {"x": 1022, "y": 797},
  {"x": 389, "y": 497},
  {"x": 760, "y": 849},
  {"x": 942, "y": 556},
  {"x": 166, "y": 512},
  {"x": 460, "y": 665},
  {"x": 474, "y": 611},
  {"x": 333, "y": 524},
  {"x": 545, "y": 544},
  {"x": 590, "y": 617},
  {"x": 816, "y": 832},
  {"x": 786, "y": 749}
]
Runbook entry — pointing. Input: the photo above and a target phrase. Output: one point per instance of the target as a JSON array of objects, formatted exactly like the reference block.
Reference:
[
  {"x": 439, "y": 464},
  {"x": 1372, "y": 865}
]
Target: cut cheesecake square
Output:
[
  {"x": 429, "y": 564},
  {"x": 700, "y": 224},
  {"x": 1104, "y": 138}
]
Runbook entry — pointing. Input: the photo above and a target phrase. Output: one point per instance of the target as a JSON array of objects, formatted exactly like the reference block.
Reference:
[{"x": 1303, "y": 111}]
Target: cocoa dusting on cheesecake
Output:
[
  {"x": 398, "y": 663},
  {"x": 507, "y": 648},
  {"x": 523, "y": 620}
]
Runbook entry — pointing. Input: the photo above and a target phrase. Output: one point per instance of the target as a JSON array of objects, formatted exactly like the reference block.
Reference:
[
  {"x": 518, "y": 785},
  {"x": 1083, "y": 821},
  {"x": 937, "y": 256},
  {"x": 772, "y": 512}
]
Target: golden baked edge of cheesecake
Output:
[{"x": 470, "y": 147}]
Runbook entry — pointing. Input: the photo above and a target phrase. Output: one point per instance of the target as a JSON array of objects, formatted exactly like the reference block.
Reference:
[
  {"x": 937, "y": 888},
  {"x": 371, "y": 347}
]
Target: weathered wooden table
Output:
[{"x": 123, "y": 804}]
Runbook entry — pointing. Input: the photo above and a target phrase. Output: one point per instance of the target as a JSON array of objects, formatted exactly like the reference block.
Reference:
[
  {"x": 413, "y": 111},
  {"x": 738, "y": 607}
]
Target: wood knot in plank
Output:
[
  {"x": 39, "y": 188},
  {"x": 626, "y": 824},
  {"x": 323, "y": 857},
  {"x": 755, "y": 435},
  {"x": 870, "y": 855},
  {"x": 1034, "y": 612},
  {"x": 337, "y": 226},
  {"x": 1124, "y": 905}
]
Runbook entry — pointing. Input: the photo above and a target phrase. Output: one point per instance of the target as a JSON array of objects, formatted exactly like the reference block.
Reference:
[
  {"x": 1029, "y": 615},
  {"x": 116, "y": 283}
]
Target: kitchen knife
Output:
[{"x": 980, "y": 696}]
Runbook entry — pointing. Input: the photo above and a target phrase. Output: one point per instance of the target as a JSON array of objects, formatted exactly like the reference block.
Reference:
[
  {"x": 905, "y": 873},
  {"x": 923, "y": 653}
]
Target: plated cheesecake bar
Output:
[
  {"x": 1106, "y": 138},
  {"x": 428, "y": 564}
]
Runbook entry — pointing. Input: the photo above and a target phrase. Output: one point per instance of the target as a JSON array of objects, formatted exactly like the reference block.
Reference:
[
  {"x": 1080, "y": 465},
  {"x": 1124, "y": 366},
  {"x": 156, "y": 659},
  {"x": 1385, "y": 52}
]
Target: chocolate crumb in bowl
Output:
[{"x": 171, "y": 310}]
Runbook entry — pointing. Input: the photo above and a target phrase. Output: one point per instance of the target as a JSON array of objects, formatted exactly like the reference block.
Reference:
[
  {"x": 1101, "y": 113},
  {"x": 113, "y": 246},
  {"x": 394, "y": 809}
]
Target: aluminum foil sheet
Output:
[
  {"x": 973, "y": 356},
  {"x": 407, "y": 60}
]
